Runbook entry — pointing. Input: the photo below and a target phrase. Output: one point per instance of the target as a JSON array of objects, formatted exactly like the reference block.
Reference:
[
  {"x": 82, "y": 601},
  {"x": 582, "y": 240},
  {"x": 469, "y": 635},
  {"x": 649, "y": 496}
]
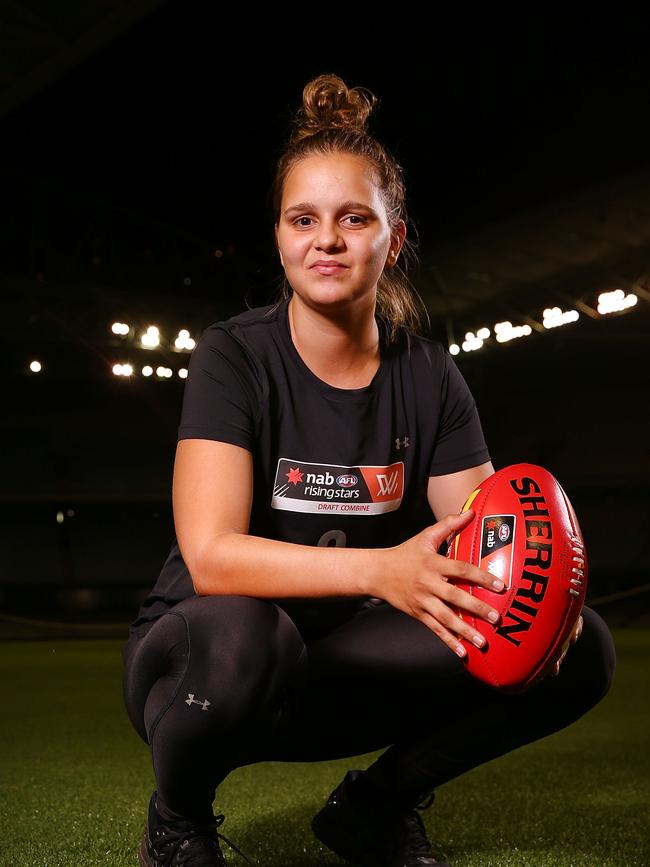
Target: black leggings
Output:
[{"x": 220, "y": 682}]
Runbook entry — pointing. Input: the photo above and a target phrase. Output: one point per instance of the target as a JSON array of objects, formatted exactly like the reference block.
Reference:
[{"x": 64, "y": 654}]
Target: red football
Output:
[{"x": 525, "y": 531}]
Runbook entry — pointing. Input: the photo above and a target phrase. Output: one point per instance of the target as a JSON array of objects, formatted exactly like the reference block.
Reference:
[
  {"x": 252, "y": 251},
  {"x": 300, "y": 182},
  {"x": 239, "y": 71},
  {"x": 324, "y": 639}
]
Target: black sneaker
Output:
[
  {"x": 168, "y": 844},
  {"x": 372, "y": 834}
]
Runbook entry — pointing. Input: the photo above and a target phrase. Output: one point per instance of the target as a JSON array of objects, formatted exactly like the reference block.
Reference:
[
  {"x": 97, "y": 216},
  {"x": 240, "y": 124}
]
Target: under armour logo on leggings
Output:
[{"x": 191, "y": 700}]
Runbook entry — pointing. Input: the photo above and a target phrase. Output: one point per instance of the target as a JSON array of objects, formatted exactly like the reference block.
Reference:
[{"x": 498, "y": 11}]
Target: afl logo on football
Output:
[
  {"x": 347, "y": 480},
  {"x": 504, "y": 532}
]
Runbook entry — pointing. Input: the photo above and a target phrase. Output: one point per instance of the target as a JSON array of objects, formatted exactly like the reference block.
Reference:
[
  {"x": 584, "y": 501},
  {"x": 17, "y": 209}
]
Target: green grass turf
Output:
[{"x": 75, "y": 779}]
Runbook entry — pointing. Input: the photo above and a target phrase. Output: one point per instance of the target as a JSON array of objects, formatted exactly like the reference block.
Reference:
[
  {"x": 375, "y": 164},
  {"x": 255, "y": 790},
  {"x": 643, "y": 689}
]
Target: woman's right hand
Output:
[{"x": 417, "y": 581}]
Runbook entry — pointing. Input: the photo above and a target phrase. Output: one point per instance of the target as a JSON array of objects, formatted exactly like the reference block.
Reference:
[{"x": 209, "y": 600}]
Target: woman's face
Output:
[{"x": 331, "y": 211}]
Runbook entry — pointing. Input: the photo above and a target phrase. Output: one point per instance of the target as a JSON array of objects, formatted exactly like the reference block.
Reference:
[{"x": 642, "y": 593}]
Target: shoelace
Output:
[{"x": 181, "y": 839}]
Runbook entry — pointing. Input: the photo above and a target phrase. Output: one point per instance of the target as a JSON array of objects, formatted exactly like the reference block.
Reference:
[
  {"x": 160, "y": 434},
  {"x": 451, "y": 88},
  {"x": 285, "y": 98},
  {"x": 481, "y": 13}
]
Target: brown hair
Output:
[{"x": 332, "y": 119}]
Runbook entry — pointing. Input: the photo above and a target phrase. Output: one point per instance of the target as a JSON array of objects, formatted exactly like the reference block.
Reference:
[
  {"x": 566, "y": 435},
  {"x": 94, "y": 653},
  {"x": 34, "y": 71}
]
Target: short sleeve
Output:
[
  {"x": 459, "y": 443},
  {"x": 221, "y": 400}
]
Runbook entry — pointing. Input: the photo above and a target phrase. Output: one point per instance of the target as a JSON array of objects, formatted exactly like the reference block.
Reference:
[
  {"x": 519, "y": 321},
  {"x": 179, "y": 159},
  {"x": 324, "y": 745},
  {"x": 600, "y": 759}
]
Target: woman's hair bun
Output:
[{"x": 327, "y": 102}]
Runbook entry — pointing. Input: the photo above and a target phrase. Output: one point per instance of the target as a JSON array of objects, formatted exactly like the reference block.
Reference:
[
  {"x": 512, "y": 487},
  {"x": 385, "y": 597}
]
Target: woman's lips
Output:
[{"x": 328, "y": 269}]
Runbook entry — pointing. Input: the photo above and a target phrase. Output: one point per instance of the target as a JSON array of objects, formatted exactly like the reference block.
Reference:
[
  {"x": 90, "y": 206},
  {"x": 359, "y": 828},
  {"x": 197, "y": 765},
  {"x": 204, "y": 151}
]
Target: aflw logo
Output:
[{"x": 388, "y": 483}]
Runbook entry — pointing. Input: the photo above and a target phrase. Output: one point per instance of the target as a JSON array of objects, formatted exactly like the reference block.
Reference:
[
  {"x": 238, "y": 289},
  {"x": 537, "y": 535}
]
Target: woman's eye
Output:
[{"x": 355, "y": 217}]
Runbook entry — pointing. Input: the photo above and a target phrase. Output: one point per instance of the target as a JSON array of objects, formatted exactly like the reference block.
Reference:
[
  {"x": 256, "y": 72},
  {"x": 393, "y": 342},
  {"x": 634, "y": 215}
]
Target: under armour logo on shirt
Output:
[
  {"x": 402, "y": 443},
  {"x": 190, "y": 700}
]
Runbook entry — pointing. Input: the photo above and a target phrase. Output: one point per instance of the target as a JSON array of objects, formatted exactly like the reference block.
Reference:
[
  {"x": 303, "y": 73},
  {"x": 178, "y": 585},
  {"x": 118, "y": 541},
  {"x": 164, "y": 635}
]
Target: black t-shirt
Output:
[{"x": 332, "y": 466}]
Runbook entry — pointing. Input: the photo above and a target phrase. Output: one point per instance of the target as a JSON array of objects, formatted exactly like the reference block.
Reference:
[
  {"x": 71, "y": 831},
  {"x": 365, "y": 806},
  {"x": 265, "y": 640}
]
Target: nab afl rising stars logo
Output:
[{"x": 307, "y": 487}]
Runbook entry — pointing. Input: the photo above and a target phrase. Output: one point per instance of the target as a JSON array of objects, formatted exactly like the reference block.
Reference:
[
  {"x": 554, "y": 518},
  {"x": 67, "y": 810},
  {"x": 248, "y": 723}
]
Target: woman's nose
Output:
[{"x": 328, "y": 235}]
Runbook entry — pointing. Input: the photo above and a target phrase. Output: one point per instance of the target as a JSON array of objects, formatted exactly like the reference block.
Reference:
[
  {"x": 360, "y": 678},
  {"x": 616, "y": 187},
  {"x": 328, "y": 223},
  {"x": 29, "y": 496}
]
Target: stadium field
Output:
[{"x": 75, "y": 779}]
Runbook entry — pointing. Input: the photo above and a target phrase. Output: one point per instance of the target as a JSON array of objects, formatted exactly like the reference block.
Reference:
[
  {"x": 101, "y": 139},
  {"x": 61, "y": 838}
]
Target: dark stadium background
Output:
[{"x": 140, "y": 138}]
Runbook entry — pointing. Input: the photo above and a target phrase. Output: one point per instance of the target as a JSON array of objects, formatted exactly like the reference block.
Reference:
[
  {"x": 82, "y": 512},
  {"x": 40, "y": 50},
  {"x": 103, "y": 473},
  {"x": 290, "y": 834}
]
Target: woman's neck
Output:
[{"x": 344, "y": 352}]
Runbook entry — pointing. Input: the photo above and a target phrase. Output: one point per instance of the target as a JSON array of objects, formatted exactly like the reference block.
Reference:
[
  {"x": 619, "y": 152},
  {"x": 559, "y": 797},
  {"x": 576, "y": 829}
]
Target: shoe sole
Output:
[{"x": 143, "y": 856}]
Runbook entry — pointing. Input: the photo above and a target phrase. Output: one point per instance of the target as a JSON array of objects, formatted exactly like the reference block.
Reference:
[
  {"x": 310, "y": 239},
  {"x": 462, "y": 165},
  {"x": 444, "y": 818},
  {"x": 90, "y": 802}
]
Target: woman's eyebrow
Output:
[{"x": 345, "y": 206}]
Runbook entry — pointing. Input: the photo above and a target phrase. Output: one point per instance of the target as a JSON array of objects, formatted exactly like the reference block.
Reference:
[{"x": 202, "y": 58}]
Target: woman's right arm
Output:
[{"x": 212, "y": 495}]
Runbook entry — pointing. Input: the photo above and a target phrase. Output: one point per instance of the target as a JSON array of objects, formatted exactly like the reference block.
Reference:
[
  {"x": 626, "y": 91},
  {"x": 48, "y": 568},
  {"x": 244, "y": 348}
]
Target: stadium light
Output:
[
  {"x": 151, "y": 338},
  {"x": 614, "y": 302},
  {"x": 184, "y": 341},
  {"x": 554, "y": 316},
  {"x": 506, "y": 331},
  {"x": 122, "y": 369},
  {"x": 472, "y": 342}
]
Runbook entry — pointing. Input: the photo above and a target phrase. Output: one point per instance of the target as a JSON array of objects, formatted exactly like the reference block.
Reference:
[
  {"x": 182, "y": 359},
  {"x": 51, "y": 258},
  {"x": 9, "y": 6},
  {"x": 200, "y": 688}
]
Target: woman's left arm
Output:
[{"x": 447, "y": 494}]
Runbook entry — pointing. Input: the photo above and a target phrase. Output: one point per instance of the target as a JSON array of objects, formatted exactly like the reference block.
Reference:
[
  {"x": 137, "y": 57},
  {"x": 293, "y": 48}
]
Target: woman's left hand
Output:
[{"x": 575, "y": 635}]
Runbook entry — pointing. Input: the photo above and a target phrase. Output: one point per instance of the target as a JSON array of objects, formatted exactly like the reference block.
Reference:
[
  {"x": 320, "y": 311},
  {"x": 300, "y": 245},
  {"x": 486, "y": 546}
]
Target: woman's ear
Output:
[
  {"x": 397, "y": 240},
  {"x": 399, "y": 237}
]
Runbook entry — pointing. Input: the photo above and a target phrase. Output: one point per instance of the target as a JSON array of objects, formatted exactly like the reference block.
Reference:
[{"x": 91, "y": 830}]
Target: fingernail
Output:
[
  {"x": 493, "y": 616},
  {"x": 460, "y": 650},
  {"x": 498, "y": 585},
  {"x": 478, "y": 640}
]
